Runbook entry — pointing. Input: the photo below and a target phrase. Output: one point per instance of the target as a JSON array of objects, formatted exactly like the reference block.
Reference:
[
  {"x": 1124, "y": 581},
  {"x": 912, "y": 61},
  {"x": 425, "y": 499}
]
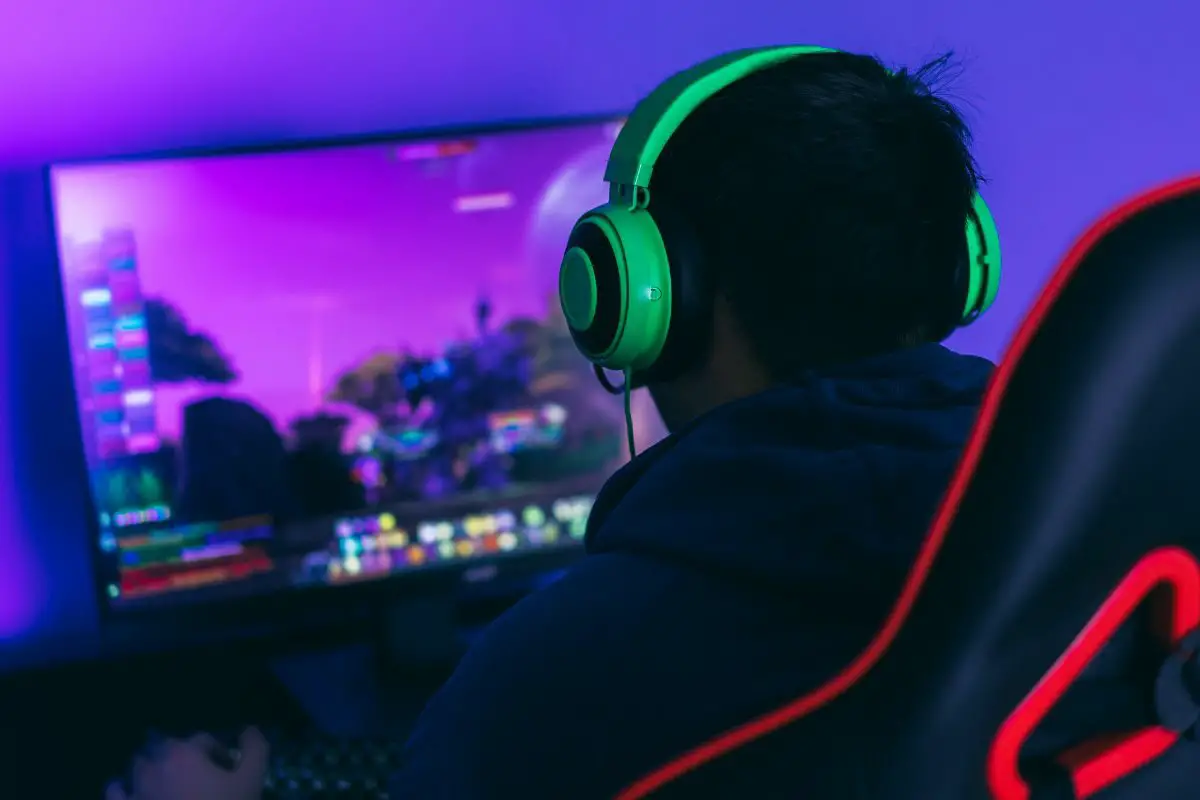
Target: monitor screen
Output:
[{"x": 331, "y": 364}]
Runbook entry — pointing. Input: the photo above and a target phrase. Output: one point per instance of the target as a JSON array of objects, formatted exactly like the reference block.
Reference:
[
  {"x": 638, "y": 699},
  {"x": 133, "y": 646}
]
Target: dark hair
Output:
[{"x": 829, "y": 197}]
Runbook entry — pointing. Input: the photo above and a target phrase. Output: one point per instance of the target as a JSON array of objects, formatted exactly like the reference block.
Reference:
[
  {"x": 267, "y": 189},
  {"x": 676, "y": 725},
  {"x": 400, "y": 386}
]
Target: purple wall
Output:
[{"x": 1078, "y": 104}]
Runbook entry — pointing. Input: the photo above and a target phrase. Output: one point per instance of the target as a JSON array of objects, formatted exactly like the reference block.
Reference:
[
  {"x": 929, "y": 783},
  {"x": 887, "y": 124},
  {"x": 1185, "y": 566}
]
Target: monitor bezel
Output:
[{"x": 269, "y": 607}]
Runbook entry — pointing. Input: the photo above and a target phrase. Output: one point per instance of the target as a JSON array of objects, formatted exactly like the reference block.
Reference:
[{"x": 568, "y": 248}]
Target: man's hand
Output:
[{"x": 199, "y": 768}]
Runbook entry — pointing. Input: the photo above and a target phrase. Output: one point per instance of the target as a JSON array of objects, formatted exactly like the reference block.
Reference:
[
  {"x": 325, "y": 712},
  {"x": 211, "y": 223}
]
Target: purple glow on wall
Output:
[
  {"x": 1076, "y": 105},
  {"x": 21, "y": 587}
]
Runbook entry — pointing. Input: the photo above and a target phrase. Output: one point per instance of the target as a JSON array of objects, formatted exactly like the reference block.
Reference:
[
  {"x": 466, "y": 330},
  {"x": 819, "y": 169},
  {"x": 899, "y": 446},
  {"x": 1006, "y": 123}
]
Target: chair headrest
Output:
[{"x": 1082, "y": 464}]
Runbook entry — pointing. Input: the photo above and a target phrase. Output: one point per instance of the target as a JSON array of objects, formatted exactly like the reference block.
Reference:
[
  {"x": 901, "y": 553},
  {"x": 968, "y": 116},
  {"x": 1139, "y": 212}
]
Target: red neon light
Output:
[
  {"x": 1096, "y": 764},
  {"x": 825, "y": 694}
]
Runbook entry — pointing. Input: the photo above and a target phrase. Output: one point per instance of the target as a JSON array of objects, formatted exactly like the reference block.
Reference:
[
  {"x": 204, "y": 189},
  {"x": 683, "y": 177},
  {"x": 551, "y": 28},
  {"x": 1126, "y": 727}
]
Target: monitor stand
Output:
[
  {"x": 419, "y": 635},
  {"x": 379, "y": 686}
]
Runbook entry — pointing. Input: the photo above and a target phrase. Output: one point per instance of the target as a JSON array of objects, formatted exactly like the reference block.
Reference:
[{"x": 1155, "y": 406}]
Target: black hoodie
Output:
[{"x": 731, "y": 567}]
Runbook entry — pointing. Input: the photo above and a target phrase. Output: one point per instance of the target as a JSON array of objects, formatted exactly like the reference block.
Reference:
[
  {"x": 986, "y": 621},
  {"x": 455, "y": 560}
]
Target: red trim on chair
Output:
[
  {"x": 1098, "y": 763},
  {"x": 875, "y": 650}
]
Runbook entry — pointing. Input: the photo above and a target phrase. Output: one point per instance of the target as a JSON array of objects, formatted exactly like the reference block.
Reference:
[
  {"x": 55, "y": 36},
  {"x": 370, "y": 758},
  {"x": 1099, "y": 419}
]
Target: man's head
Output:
[{"x": 828, "y": 197}]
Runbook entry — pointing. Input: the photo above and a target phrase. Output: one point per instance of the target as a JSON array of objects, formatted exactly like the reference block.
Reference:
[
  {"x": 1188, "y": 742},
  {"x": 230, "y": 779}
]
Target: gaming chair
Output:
[{"x": 1076, "y": 500}]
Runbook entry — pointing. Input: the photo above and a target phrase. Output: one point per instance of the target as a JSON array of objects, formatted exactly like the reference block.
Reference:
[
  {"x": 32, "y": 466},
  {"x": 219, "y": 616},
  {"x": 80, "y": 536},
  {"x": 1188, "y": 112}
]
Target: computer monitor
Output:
[{"x": 334, "y": 363}]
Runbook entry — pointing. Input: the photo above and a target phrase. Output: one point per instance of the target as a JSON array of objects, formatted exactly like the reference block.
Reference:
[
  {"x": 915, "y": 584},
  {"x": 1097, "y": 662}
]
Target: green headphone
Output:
[{"x": 631, "y": 286}]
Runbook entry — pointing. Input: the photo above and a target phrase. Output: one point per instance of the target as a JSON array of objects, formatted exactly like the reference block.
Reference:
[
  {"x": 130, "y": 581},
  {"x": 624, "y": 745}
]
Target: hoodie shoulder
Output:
[{"x": 595, "y": 680}]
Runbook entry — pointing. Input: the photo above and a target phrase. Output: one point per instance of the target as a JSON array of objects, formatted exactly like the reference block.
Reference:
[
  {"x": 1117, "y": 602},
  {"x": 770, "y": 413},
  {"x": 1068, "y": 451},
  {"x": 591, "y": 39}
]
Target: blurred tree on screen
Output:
[
  {"x": 179, "y": 354},
  {"x": 373, "y": 385},
  {"x": 558, "y": 368}
]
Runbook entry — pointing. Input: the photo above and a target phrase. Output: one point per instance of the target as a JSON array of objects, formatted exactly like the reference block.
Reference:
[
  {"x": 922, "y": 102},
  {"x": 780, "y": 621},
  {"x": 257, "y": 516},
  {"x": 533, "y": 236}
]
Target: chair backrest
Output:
[{"x": 1077, "y": 497}]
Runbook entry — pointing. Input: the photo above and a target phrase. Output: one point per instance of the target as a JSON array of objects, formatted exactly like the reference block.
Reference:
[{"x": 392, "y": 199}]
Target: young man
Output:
[{"x": 744, "y": 559}]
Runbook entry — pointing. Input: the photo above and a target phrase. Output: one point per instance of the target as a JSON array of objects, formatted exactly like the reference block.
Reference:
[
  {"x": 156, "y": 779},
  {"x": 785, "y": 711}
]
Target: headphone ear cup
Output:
[
  {"x": 612, "y": 281},
  {"x": 984, "y": 277},
  {"x": 692, "y": 294}
]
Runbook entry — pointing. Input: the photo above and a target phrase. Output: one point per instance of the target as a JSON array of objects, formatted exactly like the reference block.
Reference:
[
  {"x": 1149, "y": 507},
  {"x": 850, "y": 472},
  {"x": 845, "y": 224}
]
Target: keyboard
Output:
[{"x": 328, "y": 767}]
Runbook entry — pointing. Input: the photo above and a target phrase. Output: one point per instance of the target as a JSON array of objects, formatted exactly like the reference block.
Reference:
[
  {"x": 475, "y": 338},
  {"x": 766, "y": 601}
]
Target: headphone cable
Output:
[
  {"x": 623, "y": 389},
  {"x": 629, "y": 415}
]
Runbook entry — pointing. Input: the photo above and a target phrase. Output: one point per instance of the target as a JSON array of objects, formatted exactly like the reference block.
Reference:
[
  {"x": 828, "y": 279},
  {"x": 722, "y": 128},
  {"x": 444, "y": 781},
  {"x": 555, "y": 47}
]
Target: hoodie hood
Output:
[{"x": 831, "y": 478}]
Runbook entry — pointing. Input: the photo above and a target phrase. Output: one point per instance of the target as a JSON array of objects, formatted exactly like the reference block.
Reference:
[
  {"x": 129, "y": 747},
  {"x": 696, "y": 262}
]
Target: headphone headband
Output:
[
  {"x": 632, "y": 283},
  {"x": 656, "y": 118}
]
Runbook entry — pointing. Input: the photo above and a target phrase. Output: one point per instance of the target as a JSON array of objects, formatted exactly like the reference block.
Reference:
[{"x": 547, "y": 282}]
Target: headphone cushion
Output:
[
  {"x": 970, "y": 261},
  {"x": 588, "y": 236},
  {"x": 955, "y": 301},
  {"x": 692, "y": 294}
]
